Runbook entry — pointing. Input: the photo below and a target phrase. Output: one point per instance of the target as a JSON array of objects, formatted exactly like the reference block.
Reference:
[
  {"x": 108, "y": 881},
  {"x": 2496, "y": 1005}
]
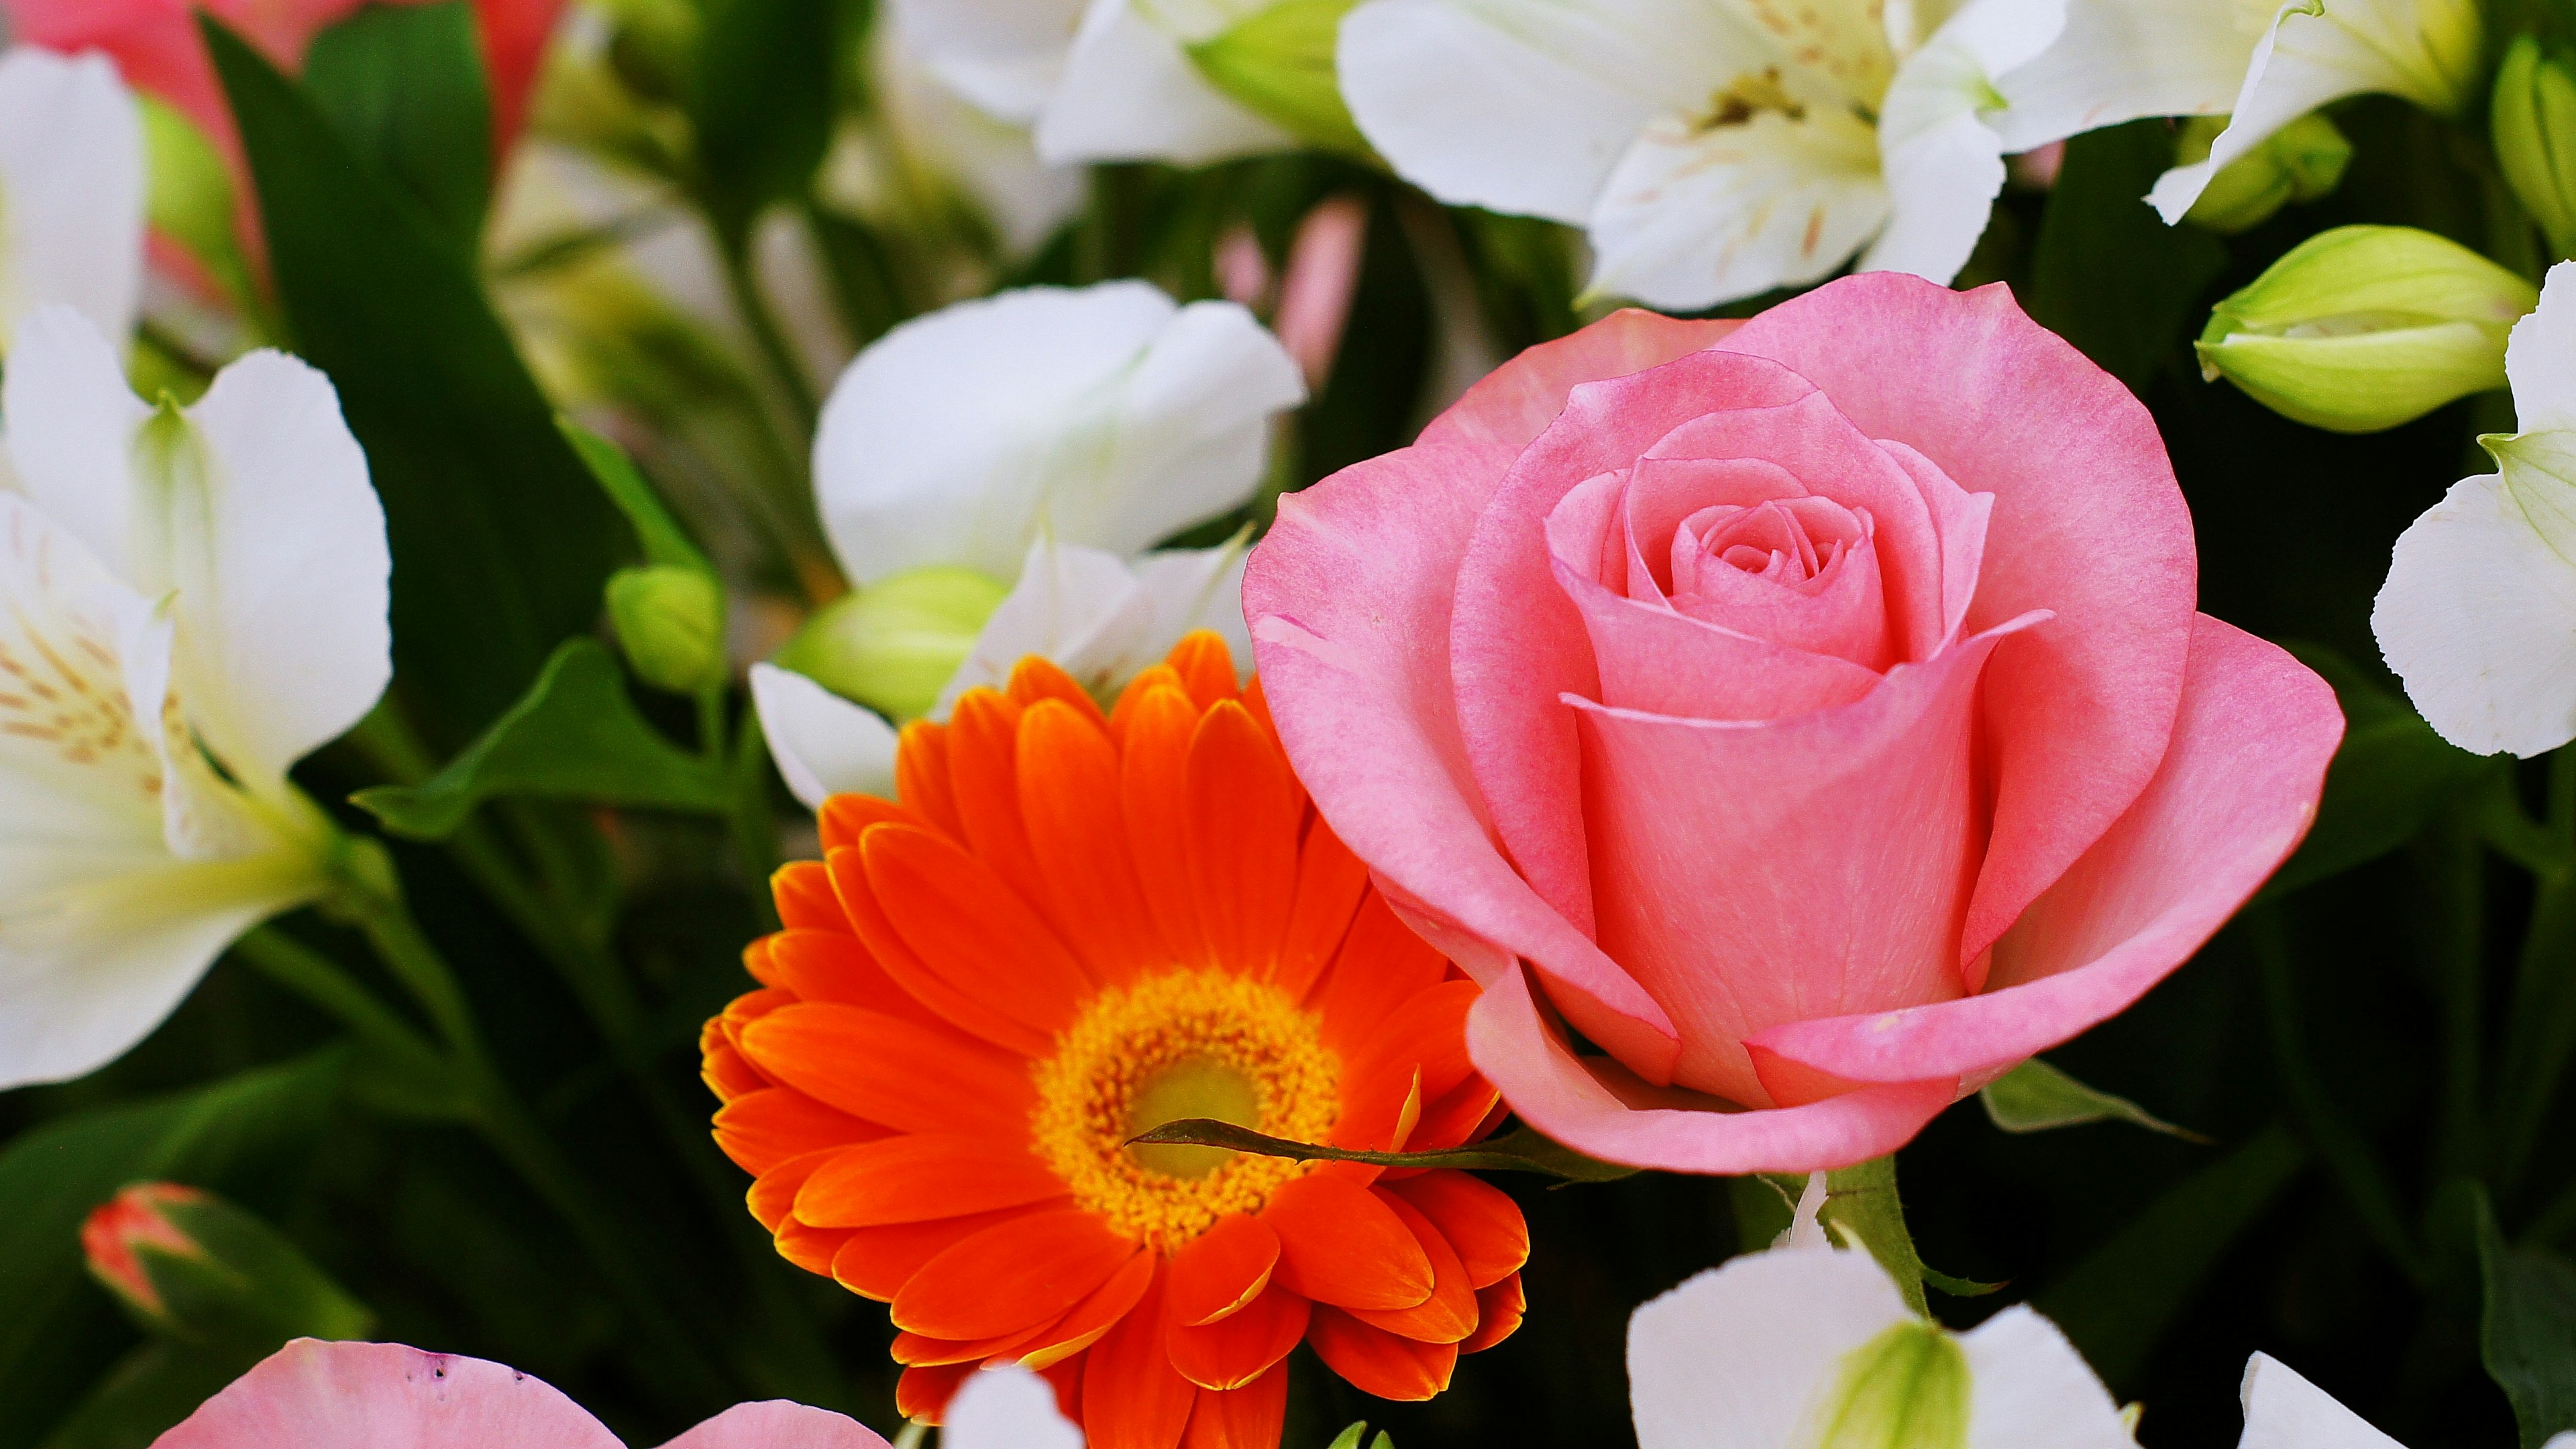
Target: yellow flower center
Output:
[{"x": 1190, "y": 1044}]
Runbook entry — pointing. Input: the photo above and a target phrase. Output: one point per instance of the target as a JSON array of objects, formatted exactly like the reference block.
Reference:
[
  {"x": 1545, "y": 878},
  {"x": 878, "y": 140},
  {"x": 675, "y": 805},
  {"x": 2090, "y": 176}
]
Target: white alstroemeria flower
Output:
[
  {"x": 2285, "y": 1411},
  {"x": 1810, "y": 1344},
  {"x": 2268, "y": 62},
  {"x": 928, "y": 131},
  {"x": 1711, "y": 150},
  {"x": 1107, "y": 80},
  {"x": 1006, "y": 1407},
  {"x": 1035, "y": 445},
  {"x": 2478, "y": 616},
  {"x": 71, "y": 190},
  {"x": 195, "y": 599}
]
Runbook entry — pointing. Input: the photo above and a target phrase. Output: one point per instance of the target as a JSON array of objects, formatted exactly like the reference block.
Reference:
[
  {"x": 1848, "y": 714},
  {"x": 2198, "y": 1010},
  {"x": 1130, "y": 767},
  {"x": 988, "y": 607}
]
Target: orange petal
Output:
[
  {"x": 1239, "y": 1348},
  {"x": 1479, "y": 1219},
  {"x": 1330, "y": 883},
  {"x": 834, "y": 966},
  {"x": 722, "y": 1066},
  {"x": 923, "y": 1393},
  {"x": 1457, "y": 1118},
  {"x": 1377, "y": 1362},
  {"x": 1425, "y": 1032},
  {"x": 1092, "y": 1318},
  {"x": 812, "y": 1249},
  {"x": 1448, "y": 1315},
  {"x": 913, "y": 1349},
  {"x": 1339, "y": 1243},
  {"x": 973, "y": 932},
  {"x": 1381, "y": 966},
  {"x": 1241, "y": 825},
  {"x": 762, "y": 1129},
  {"x": 1069, "y": 804},
  {"x": 1037, "y": 677},
  {"x": 962, "y": 1009},
  {"x": 921, "y": 776},
  {"x": 920, "y": 1176},
  {"x": 1499, "y": 1310},
  {"x": 1151, "y": 677},
  {"x": 1205, "y": 665},
  {"x": 1132, "y": 1397},
  {"x": 804, "y": 896},
  {"x": 1257, "y": 704},
  {"x": 1222, "y": 1269},
  {"x": 755, "y": 961},
  {"x": 1377, "y": 1114},
  {"x": 844, "y": 818},
  {"x": 1153, "y": 789},
  {"x": 1246, "y": 1418},
  {"x": 911, "y": 1077},
  {"x": 1011, "y": 1276},
  {"x": 876, "y": 1262},
  {"x": 772, "y": 1196},
  {"x": 983, "y": 775}
]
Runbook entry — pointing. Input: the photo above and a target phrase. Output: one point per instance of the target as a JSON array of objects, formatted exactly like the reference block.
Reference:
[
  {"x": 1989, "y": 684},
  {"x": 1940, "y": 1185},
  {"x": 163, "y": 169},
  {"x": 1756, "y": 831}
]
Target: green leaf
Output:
[
  {"x": 763, "y": 106},
  {"x": 2108, "y": 275},
  {"x": 1350, "y": 1438},
  {"x": 243, "y": 1133},
  {"x": 2035, "y": 1096},
  {"x": 501, "y": 542},
  {"x": 2120, "y": 1299},
  {"x": 2527, "y": 1330},
  {"x": 147, "y": 1392},
  {"x": 576, "y": 736},
  {"x": 2388, "y": 777},
  {"x": 1521, "y": 1150},
  {"x": 666, "y": 543},
  {"x": 405, "y": 86}
]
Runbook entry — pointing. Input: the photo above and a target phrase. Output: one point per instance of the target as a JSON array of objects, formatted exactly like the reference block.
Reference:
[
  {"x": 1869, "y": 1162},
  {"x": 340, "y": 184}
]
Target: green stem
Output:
[
  {"x": 911, "y": 1436},
  {"x": 320, "y": 981},
  {"x": 2458, "y": 879},
  {"x": 775, "y": 350},
  {"x": 2557, "y": 1222}
]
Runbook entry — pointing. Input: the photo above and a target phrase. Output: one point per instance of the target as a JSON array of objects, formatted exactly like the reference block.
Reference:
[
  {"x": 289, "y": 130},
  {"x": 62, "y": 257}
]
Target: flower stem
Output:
[
  {"x": 766, "y": 334},
  {"x": 2541, "y": 1035}
]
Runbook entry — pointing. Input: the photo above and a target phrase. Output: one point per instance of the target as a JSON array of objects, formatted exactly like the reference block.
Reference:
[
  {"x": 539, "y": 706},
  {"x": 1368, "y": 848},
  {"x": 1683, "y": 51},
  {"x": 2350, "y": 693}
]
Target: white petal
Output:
[
  {"x": 1943, "y": 160},
  {"x": 2118, "y": 60},
  {"x": 1004, "y": 55},
  {"x": 2285, "y": 1411},
  {"x": 1193, "y": 589},
  {"x": 1103, "y": 417},
  {"x": 1006, "y": 1407},
  {"x": 1526, "y": 106},
  {"x": 1129, "y": 93},
  {"x": 822, "y": 744},
  {"x": 994, "y": 162},
  {"x": 2030, "y": 1389},
  {"x": 2319, "y": 51},
  {"x": 2478, "y": 616},
  {"x": 278, "y": 555},
  {"x": 71, "y": 189},
  {"x": 1806, "y": 1228},
  {"x": 71, "y": 421},
  {"x": 1696, "y": 215},
  {"x": 1079, "y": 607},
  {"x": 1738, "y": 1357},
  {"x": 2540, "y": 360}
]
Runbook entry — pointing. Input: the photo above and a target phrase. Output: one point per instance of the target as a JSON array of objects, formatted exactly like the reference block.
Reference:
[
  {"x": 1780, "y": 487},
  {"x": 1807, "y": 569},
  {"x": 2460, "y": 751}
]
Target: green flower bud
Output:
[
  {"x": 2300, "y": 162},
  {"x": 188, "y": 1265},
  {"x": 190, "y": 196},
  {"x": 2534, "y": 123},
  {"x": 1279, "y": 64},
  {"x": 893, "y": 645},
  {"x": 671, "y": 622},
  {"x": 2365, "y": 327}
]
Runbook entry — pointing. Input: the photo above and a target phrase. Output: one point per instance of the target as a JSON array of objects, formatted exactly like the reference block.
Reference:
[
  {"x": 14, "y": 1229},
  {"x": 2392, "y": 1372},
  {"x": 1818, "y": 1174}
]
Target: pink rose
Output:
[{"x": 1815, "y": 704}]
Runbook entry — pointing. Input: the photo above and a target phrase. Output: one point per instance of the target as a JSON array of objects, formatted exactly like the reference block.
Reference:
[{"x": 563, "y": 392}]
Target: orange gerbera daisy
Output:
[{"x": 1075, "y": 927}]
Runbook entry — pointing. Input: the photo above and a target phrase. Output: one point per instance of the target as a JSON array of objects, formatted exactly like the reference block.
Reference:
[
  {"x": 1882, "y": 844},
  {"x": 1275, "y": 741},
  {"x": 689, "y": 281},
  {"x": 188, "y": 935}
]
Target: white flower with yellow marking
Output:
[{"x": 191, "y": 600}]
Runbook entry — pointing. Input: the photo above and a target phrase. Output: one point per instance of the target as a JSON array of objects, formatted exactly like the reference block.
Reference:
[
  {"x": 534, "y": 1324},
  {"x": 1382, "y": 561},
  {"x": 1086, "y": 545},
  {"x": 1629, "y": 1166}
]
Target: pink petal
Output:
[
  {"x": 1608, "y": 1115},
  {"x": 1349, "y": 603},
  {"x": 1516, "y": 643},
  {"x": 778, "y": 1424},
  {"x": 316, "y": 1395},
  {"x": 2237, "y": 790},
  {"x": 2087, "y": 522},
  {"x": 1749, "y": 875}
]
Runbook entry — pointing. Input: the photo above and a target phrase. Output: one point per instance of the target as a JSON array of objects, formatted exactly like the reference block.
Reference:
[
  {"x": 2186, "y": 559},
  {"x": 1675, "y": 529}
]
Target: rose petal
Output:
[{"x": 311, "y": 1394}]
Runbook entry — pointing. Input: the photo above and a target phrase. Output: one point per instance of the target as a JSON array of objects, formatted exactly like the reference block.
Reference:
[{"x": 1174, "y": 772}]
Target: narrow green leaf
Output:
[
  {"x": 244, "y": 1134},
  {"x": 2527, "y": 1330},
  {"x": 2388, "y": 777},
  {"x": 2035, "y": 1096},
  {"x": 763, "y": 103},
  {"x": 405, "y": 86},
  {"x": 2121, "y": 1298},
  {"x": 666, "y": 543},
  {"x": 1521, "y": 1150},
  {"x": 2108, "y": 275},
  {"x": 576, "y": 736},
  {"x": 501, "y": 541}
]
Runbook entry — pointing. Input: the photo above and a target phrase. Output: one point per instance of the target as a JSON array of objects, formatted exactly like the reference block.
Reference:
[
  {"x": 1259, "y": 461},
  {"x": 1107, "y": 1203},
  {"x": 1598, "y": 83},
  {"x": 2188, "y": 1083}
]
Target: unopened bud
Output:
[
  {"x": 2534, "y": 124},
  {"x": 670, "y": 620},
  {"x": 188, "y": 1265},
  {"x": 2366, "y": 327},
  {"x": 1278, "y": 63},
  {"x": 2300, "y": 162},
  {"x": 893, "y": 645},
  {"x": 190, "y": 197}
]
